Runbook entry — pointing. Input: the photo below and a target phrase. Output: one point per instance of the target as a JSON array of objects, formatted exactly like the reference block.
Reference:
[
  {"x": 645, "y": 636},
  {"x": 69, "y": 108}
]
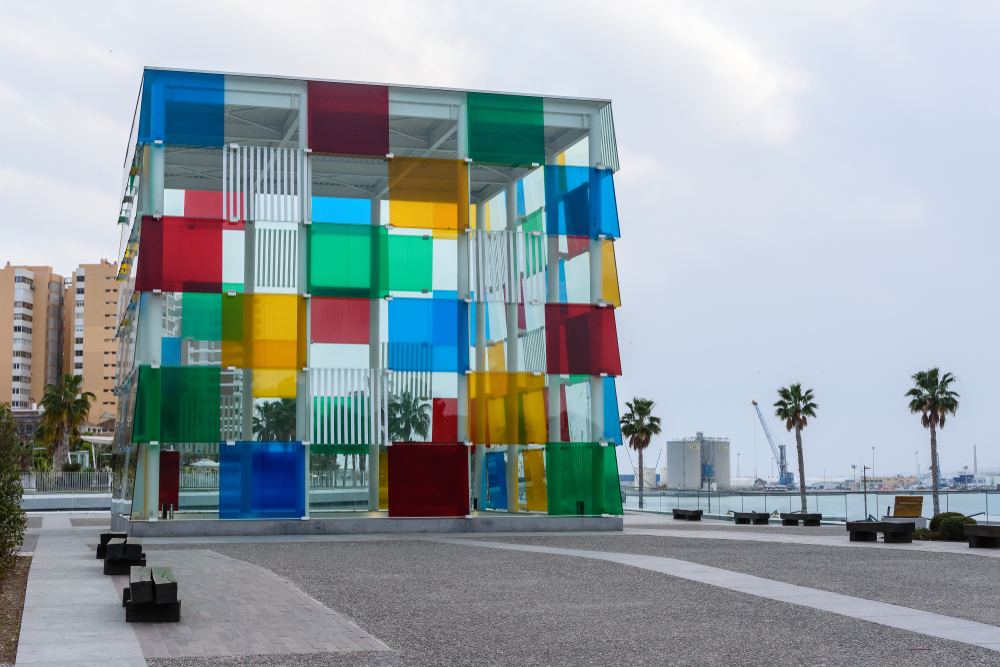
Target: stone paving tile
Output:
[{"x": 229, "y": 607}]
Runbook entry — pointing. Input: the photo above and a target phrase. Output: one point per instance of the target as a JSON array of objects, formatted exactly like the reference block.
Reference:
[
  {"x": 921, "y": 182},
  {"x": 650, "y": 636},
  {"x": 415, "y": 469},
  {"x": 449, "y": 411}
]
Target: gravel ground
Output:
[
  {"x": 84, "y": 523},
  {"x": 439, "y": 604},
  {"x": 960, "y": 586}
]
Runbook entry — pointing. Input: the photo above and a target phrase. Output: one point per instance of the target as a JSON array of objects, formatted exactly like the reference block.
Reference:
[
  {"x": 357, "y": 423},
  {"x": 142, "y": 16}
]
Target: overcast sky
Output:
[{"x": 808, "y": 191}]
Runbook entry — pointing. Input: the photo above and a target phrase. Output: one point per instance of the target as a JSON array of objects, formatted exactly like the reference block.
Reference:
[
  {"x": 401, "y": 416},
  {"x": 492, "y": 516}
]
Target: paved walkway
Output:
[
  {"x": 903, "y": 618},
  {"x": 229, "y": 607},
  {"x": 72, "y": 613}
]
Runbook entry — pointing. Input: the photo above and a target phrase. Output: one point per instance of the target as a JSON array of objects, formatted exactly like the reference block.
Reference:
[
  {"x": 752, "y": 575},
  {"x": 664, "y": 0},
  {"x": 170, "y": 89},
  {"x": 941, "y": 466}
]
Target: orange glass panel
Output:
[
  {"x": 507, "y": 408},
  {"x": 428, "y": 194}
]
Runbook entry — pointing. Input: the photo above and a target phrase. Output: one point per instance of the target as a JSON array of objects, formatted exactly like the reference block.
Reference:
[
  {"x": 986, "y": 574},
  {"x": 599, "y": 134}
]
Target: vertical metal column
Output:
[
  {"x": 596, "y": 273},
  {"x": 480, "y": 305},
  {"x": 552, "y": 296},
  {"x": 303, "y": 398},
  {"x": 511, "y": 299},
  {"x": 463, "y": 278},
  {"x": 249, "y": 275},
  {"x": 374, "y": 361}
]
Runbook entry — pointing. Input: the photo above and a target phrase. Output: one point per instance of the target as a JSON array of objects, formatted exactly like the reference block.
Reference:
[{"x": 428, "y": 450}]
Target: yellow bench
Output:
[{"x": 908, "y": 506}]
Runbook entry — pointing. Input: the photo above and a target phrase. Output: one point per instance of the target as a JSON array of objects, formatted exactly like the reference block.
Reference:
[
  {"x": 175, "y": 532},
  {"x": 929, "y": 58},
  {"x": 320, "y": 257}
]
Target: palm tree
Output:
[
  {"x": 934, "y": 400},
  {"x": 408, "y": 415},
  {"x": 275, "y": 420},
  {"x": 794, "y": 406},
  {"x": 639, "y": 426},
  {"x": 66, "y": 407}
]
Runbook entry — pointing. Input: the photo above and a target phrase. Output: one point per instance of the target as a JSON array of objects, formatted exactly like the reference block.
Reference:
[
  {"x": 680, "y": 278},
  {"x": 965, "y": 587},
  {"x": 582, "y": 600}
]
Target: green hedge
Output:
[
  {"x": 953, "y": 527},
  {"x": 935, "y": 524},
  {"x": 13, "y": 521}
]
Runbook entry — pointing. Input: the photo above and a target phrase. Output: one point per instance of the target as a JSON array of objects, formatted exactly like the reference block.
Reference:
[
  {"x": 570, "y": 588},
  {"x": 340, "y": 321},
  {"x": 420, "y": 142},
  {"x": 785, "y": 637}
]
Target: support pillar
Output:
[
  {"x": 374, "y": 364},
  {"x": 512, "y": 351},
  {"x": 480, "y": 307}
]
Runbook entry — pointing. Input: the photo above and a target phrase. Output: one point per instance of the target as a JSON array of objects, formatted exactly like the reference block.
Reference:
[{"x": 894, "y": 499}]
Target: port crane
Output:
[{"x": 785, "y": 478}]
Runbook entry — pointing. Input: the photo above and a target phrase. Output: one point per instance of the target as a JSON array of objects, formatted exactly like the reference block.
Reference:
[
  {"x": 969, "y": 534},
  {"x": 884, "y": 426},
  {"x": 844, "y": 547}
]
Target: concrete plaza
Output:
[{"x": 662, "y": 592}]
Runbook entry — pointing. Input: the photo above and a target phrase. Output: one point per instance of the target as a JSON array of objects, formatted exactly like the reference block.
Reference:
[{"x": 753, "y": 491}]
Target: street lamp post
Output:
[
  {"x": 873, "y": 460},
  {"x": 737, "y": 464},
  {"x": 863, "y": 469}
]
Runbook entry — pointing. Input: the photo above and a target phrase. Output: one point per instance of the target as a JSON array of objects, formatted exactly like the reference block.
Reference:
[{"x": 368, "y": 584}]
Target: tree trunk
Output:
[
  {"x": 802, "y": 466},
  {"x": 60, "y": 455},
  {"x": 934, "y": 470},
  {"x": 641, "y": 476}
]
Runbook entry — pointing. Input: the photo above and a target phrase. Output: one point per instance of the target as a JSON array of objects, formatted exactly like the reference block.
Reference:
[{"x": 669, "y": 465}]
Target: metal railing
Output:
[
  {"x": 833, "y": 505},
  {"x": 67, "y": 482}
]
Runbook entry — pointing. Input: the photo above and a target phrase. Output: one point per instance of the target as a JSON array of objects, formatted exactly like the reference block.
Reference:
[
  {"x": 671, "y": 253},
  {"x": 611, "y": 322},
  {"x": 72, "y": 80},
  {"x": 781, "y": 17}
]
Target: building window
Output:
[
  {"x": 78, "y": 365},
  {"x": 77, "y": 353},
  {"x": 79, "y": 341}
]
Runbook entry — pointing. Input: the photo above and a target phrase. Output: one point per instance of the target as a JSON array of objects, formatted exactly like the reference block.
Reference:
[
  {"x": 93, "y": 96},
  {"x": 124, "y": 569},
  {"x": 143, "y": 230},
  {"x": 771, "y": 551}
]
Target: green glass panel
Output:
[
  {"x": 533, "y": 222},
  {"x": 582, "y": 478},
  {"x": 231, "y": 324},
  {"x": 201, "y": 316},
  {"x": 348, "y": 260},
  {"x": 411, "y": 263},
  {"x": 178, "y": 405},
  {"x": 146, "y": 423},
  {"x": 506, "y": 129},
  {"x": 189, "y": 404}
]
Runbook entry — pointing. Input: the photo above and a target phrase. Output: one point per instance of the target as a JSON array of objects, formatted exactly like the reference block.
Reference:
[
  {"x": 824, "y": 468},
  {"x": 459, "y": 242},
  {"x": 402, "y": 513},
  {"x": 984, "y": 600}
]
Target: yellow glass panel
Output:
[
  {"x": 274, "y": 383},
  {"x": 507, "y": 408},
  {"x": 383, "y": 480},
  {"x": 534, "y": 480},
  {"x": 428, "y": 194},
  {"x": 264, "y": 331},
  {"x": 445, "y": 234},
  {"x": 495, "y": 359},
  {"x": 609, "y": 269}
]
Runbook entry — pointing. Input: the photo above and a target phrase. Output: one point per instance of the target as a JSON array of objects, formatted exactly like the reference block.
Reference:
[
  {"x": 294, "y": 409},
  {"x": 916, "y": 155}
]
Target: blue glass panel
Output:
[
  {"x": 262, "y": 480},
  {"x": 239, "y": 481},
  {"x": 424, "y": 335},
  {"x": 497, "y": 475},
  {"x": 282, "y": 494},
  {"x": 182, "y": 108},
  {"x": 520, "y": 198},
  {"x": 612, "y": 423},
  {"x": 170, "y": 351},
  {"x": 572, "y": 208},
  {"x": 346, "y": 211}
]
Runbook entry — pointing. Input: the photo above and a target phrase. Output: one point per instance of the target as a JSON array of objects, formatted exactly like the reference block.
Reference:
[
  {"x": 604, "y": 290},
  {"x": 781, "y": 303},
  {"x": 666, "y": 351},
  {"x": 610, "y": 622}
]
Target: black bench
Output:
[
  {"x": 983, "y": 537},
  {"x": 151, "y": 596},
  {"x": 102, "y": 548},
  {"x": 755, "y": 518},
  {"x": 121, "y": 554},
  {"x": 793, "y": 518},
  {"x": 892, "y": 532},
  {"x": 688, "y": 515}
]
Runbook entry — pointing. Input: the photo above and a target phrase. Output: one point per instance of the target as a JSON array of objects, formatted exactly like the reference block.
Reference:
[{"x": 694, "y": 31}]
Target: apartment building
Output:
[
  {"x": 31, "y": 308},
  {"x": 90, "y": 348}
]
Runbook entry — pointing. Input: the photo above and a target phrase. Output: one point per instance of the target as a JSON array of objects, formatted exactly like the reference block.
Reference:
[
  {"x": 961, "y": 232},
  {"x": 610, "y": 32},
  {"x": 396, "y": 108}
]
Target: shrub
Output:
[
  {"x": 71, "y": 467},
  {"x": 935, "y": 524},
  {"x": 12, "y": 518},
  {"x": 923, "y": 534},
  {"x": 953, "y": 528}
]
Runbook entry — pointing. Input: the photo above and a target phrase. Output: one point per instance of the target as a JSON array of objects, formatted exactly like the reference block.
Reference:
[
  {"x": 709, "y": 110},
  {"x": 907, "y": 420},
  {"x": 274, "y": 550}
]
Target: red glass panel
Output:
[
  {"x": 202, "y": 204},
  {"x": 170, "y": 476},
  {"x": 445, "y": 422},
  {"x": 581, "y": 339},
  {"x": 336, "y": 320},
  {"x": 428, "y": 480},
  {"x": 180, "y": 255},
  {"x": 348, "y": 118}
]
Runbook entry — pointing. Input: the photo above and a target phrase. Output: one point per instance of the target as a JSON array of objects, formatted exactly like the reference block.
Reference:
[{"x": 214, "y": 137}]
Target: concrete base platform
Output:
[
  {"x": 367, "y": 525},
  {"x": 43, "y": 502}
]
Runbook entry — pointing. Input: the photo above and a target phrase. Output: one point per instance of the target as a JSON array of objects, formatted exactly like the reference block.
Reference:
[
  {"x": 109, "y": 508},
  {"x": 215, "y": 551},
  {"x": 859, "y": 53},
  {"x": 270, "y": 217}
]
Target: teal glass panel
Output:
[
  {"x": 506, "y": 129},
  {"x": 411, "y": 263},
  {"x": 201, "y": 316},
  {"x": 348, "y": 260}
]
